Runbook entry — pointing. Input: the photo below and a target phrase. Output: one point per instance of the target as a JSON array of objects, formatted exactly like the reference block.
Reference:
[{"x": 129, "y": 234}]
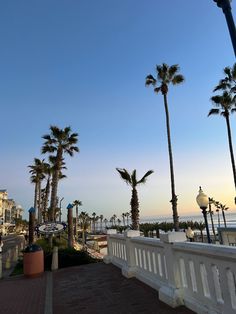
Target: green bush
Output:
[{"x": 71, "y": 257}]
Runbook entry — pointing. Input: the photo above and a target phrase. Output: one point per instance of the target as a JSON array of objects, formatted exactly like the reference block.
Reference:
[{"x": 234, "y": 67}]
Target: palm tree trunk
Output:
[
  {"x": 39, "y": 203},
  {"x": 46, "y": 196},
  {"x": 55, "y": 179},
  {"x": 134, "y": 209},
  {"x": 231, "y": 148},
  {"x": 174, "y": 196},
  {"x": 76, "y": 221},
  {"x": 35, "y": 195}
]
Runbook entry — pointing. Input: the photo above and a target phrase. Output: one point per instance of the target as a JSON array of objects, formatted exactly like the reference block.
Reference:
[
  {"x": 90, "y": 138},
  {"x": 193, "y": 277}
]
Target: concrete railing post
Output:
[
  {"x": 171, "y": 294},
  {"x": 55, "y": 258},
  {"x": 129, "y": 270},
  {"x": 108, "y": 258}
]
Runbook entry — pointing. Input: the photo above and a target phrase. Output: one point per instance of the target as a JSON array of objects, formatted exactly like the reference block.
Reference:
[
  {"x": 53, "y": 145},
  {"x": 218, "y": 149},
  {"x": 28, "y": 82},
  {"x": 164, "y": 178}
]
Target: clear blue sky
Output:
[{"x": 83, "y": 64}]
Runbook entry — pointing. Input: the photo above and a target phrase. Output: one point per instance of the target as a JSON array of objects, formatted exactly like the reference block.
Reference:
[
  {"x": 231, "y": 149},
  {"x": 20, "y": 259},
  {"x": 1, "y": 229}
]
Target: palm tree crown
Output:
[
  {"x": 59, "y": 142},
  {"x": 224, "y": 104}
]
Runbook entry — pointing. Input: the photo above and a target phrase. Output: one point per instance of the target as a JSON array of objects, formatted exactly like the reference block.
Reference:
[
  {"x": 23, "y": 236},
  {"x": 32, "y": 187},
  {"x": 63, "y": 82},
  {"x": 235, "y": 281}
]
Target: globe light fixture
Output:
[{"x": 203, "y": 202}]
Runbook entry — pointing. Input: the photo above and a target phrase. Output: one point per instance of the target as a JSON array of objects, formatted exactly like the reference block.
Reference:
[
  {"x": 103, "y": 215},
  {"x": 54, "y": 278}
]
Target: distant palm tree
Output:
[
  {"x": 217, "y": 205},
  {"x": 60, "y": 142},
  {"x": 223, "y": 208},
  {"x": 114, "y": 218},
  {"x": 225, "y": 106},
  {"x": 211, "y": 201},
  {"x": 127, "y": 217},
  {"x": 94, "y": 219},
  {"x": 77, "y": 203},
  {"x": 84, "y": 225},
  {"x": 131, "y": 180},
  {"x": 167, "y": 75},
  {"x": 118, "y": 221},
  {"x": 101, "y": 220},
  {"x": 105, "y": 222},
  {"x": 200, "y": 226},
  {"x": 123, "y": 217}
]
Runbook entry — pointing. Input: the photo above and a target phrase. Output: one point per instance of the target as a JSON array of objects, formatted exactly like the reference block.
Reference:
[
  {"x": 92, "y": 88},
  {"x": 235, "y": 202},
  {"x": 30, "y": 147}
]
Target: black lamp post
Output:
[
  {"x": 203, "y": 201},
  {"x": 226, "y": 8}
]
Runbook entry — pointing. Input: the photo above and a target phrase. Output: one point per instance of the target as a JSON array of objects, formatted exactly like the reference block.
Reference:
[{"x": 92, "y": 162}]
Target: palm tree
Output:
[
  {"x": 123, "y": 217},
  {"x": 60, "y": 142},
  {"x": 211, "y": 201},
  {"x": 217, "y": 205},
  {"x": 94, "y": 219},
  {"x": 77, "y": 203},
  {"x": 200, "y": 226},
  {"x": 131, "y": 180},
  {"x": 224, "y": 104},
  {"x": 127, "y": 217},
  {"x": 228, "y": 83},
  {"x": 167, "y": 75},
  {"x": 114, "y": 218},
  {"x": 84, "y": 224},
  {"x": 223, "y": 208},
  {"x": 105, "y": 222},
  {"x": 37, "y": 175},
  {"x": 101, "y": 219}
]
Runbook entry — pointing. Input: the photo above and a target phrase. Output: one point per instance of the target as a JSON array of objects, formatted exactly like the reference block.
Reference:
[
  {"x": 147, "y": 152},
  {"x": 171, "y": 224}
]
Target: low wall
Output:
[{"x": 197, "y": 275}]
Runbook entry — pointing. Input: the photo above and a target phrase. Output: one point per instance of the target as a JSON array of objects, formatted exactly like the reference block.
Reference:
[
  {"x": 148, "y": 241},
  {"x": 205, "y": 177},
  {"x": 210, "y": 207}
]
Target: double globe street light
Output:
[{"x": 203, "y": 202}]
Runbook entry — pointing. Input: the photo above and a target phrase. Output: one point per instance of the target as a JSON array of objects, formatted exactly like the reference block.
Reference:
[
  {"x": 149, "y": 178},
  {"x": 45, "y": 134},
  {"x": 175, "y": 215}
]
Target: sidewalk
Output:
[{"x": 87, "y": 289}]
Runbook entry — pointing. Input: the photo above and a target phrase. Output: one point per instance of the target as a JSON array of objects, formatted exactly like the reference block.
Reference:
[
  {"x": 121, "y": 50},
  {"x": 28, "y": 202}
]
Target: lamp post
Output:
[
  {"x": 226, "y": 8},
  {"x": 203, "y": 201}
]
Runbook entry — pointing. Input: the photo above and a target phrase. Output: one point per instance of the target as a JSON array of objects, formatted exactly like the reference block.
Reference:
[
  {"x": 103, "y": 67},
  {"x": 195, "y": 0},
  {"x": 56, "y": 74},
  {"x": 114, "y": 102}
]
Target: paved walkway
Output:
[{"x": 87, "y": 289}]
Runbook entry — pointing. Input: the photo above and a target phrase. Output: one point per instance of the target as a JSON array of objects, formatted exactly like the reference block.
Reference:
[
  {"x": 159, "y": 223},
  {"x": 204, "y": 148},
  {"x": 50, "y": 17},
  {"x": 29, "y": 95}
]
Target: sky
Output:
[{"x": 83, "y": 64}]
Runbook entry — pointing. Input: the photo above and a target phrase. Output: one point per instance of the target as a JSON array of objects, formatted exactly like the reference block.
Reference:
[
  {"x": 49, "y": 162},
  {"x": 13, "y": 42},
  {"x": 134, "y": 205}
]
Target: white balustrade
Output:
[{"x": 200, "y": 276}]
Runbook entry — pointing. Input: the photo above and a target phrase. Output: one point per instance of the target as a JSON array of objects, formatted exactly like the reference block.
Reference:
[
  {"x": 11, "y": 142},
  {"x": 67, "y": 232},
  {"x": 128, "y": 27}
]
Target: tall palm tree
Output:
[
  {"x": 167, "y": 75},
  {"x": 217, "y": 205},
  {"x": 132, "y": 180},
  {"x": 76, "y": 203},
  {"x": 37, "y": 175},
  {"x": 225, "y": 106},
  {"x": 60, "y": 142},
  {"x": 114, "y": 218}
]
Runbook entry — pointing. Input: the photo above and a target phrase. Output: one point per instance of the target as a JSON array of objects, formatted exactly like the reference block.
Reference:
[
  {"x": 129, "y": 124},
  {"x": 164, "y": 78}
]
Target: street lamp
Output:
[
  {"x": 203, "y": 201},
  {"x": 226, "y": 8}
]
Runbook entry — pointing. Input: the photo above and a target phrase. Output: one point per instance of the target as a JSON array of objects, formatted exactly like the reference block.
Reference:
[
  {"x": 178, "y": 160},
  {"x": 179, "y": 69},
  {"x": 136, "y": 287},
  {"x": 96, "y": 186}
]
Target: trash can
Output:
[{"x": 33, "y": 261}]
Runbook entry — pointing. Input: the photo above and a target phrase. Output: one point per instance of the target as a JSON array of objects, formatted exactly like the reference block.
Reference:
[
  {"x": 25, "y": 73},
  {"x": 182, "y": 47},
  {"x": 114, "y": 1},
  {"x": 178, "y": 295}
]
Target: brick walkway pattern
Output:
[
  {"x": 101, "y": 289},
  {"x": 87, "y": 289}
]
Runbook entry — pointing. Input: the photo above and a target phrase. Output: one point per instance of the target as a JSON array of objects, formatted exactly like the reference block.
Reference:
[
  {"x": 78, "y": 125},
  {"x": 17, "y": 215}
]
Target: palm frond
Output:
[
  {"x": 144, "y": 178},
  {"x": 213, "y": 112},
  {"x": 150, "y": 80},
  {"x": 157, "y": 89},
  {"x": 124, "y": 175},
  {"x": 177, "y": 79}
]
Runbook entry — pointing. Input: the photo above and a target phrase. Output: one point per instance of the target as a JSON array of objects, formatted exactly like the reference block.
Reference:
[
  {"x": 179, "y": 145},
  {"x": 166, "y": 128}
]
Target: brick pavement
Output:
[
  {"x": 87, "y": 289},
  {"x": 99, "y": 288},
  {"x": 19, "y": 295}
]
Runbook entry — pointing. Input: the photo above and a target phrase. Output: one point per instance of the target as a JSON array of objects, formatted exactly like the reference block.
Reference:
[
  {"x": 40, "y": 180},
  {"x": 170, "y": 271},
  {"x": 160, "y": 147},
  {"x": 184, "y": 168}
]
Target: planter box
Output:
[{"x": 33, "y": 263}]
